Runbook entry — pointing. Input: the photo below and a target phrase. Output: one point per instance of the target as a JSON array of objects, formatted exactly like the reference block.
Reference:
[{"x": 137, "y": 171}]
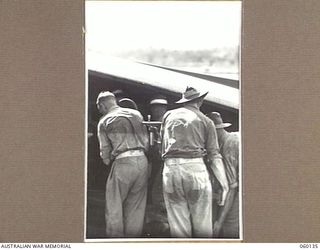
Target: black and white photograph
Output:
[{"x": 163, "y": 128}]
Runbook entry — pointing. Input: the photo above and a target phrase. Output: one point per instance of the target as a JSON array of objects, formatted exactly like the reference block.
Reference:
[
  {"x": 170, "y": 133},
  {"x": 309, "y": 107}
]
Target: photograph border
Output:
[{"x": 169, "y": 240}]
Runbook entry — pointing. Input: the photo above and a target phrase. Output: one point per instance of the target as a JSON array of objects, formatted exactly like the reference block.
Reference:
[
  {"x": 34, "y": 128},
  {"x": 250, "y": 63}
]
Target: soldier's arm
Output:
[
  {"x": 224, "y": 211},
  {"x": 219, "y": 171},
  {"x": 161, "y": 132},
  {"x": 231, "y": 159},
  {"x": 104, "y": 144},
  {"x": 215, "y": 160}
]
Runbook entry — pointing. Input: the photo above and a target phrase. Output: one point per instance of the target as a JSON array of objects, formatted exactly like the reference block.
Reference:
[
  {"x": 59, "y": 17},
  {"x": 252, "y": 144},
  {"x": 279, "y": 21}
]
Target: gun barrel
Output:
[{"x": 152, "y": 123}]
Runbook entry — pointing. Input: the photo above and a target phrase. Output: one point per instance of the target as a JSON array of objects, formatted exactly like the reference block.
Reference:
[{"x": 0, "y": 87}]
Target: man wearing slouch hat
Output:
[
  {"x": 227, "y": 223},
  {"x": 189, "y": 143}
]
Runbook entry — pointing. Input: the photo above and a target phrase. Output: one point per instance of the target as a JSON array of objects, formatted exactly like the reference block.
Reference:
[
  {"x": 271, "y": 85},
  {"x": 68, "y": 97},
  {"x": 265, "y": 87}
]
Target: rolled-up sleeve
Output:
[
  {"x": 212, "y": 145},
  {"x": 104, "y": 143}
]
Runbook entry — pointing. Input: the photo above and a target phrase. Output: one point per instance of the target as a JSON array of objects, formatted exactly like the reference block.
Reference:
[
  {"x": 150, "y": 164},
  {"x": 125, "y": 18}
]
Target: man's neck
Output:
[
  {"x": 192, "y": 105},
  {"x": 113, "y": 108}
]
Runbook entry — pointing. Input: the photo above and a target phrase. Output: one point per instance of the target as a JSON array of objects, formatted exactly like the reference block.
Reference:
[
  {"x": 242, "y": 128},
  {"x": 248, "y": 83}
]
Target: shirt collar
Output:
[
  {"x": 190, "y": 107},
  {"x": 113, "y": 108}
]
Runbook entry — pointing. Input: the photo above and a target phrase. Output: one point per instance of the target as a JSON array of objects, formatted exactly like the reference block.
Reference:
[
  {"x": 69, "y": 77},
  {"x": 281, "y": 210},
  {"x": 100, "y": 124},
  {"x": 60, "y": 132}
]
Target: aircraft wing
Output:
[{"x": 162, "y": 78}]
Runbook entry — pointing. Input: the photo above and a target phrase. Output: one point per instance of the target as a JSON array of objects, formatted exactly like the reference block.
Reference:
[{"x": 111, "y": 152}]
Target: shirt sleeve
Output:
[
  {"x": 161, "y": 133},
  {"x": 145, "y": 134},
  {"x": 231, "y": 159},
  {"x": 104, "y": 142},
  {"x": 212, "y": 145},
  {"x": 140, "y": 130}
]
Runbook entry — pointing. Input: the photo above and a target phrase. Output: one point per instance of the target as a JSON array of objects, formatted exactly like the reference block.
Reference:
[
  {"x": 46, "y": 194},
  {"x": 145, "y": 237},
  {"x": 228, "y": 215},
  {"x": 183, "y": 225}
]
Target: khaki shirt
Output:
[
  {"x": 121, "y": 130},
  {"x": 230, "y": 152},
  {"x": 188, "y": 133}
]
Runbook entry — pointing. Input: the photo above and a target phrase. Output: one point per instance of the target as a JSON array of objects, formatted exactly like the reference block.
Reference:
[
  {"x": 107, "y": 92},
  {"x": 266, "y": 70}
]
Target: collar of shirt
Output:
[
  {"x": 113, "y": 108},
  {"x": 191, "y": 107}
]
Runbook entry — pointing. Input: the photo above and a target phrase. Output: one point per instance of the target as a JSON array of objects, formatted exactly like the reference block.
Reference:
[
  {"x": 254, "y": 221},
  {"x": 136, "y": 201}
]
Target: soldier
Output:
[
  {"x": 187, "y": 137},
  {"x": 227, "y": 224},
  {"x": 158, "y": 107},
  {"x": 123, "y": 141},
  {"x": 156, "y": 221},
  {"x": 123, "y": 101}
]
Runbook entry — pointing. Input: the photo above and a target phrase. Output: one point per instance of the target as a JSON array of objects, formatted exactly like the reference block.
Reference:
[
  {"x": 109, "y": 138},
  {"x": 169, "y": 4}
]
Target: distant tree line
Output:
[{"x": 222, "y": 57}]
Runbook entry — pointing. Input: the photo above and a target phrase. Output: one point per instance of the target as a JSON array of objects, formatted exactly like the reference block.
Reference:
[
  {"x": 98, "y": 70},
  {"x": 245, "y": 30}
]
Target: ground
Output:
[{"x": 156, "y": 225}]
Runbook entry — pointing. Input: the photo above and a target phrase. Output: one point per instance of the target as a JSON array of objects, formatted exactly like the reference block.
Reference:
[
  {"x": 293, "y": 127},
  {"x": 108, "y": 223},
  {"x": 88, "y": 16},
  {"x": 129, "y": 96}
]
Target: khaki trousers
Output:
[
  {"x": 126, "y": 195},
  {"x": 188, "y": 197}
]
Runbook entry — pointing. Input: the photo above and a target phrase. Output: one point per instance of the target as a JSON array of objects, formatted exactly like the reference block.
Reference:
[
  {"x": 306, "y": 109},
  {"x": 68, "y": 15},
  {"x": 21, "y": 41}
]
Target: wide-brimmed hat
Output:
[
  {"x": 159, "y": 99},
  {"x": 191, "y": 94},
  {"x": 216, "y": 118}
]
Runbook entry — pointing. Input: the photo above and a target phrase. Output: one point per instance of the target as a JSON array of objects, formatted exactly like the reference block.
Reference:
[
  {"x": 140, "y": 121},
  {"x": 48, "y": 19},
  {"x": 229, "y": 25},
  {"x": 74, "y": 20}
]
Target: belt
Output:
[
  {"x": 183, "y": 160},
  {"x": 130, "y": 153}
]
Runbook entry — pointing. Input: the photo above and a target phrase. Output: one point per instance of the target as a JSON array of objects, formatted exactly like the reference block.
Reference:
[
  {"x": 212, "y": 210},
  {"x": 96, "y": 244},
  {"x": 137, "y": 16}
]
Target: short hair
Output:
[{"x": 104, "y": 95}]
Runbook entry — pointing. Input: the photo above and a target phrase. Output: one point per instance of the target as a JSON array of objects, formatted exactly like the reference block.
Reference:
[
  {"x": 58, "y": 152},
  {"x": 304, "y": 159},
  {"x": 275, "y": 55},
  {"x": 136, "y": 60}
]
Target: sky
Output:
[{"x": 114, "y": 26}]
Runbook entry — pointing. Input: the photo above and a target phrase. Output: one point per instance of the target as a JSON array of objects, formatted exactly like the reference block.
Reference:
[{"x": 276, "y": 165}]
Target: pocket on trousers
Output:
[
  {"x": 141, "y": 163},
  {"x": 122, "y": 172},
  {"x": 200, "y": 180},
  {"x": 167, "y": 182}
]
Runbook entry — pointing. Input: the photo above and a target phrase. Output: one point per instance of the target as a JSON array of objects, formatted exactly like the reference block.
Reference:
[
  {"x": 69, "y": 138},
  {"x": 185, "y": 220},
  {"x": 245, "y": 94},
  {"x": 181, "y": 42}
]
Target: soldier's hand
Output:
[
  {"x": 153, "y": 129},
  {"x": 223, "y": 197},
  {"x": 106, "y": 162}
]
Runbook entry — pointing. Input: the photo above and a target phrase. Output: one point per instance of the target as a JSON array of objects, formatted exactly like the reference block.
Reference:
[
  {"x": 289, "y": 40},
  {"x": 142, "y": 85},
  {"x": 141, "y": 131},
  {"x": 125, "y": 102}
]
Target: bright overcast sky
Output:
[{"x": 113, "y": 26}]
